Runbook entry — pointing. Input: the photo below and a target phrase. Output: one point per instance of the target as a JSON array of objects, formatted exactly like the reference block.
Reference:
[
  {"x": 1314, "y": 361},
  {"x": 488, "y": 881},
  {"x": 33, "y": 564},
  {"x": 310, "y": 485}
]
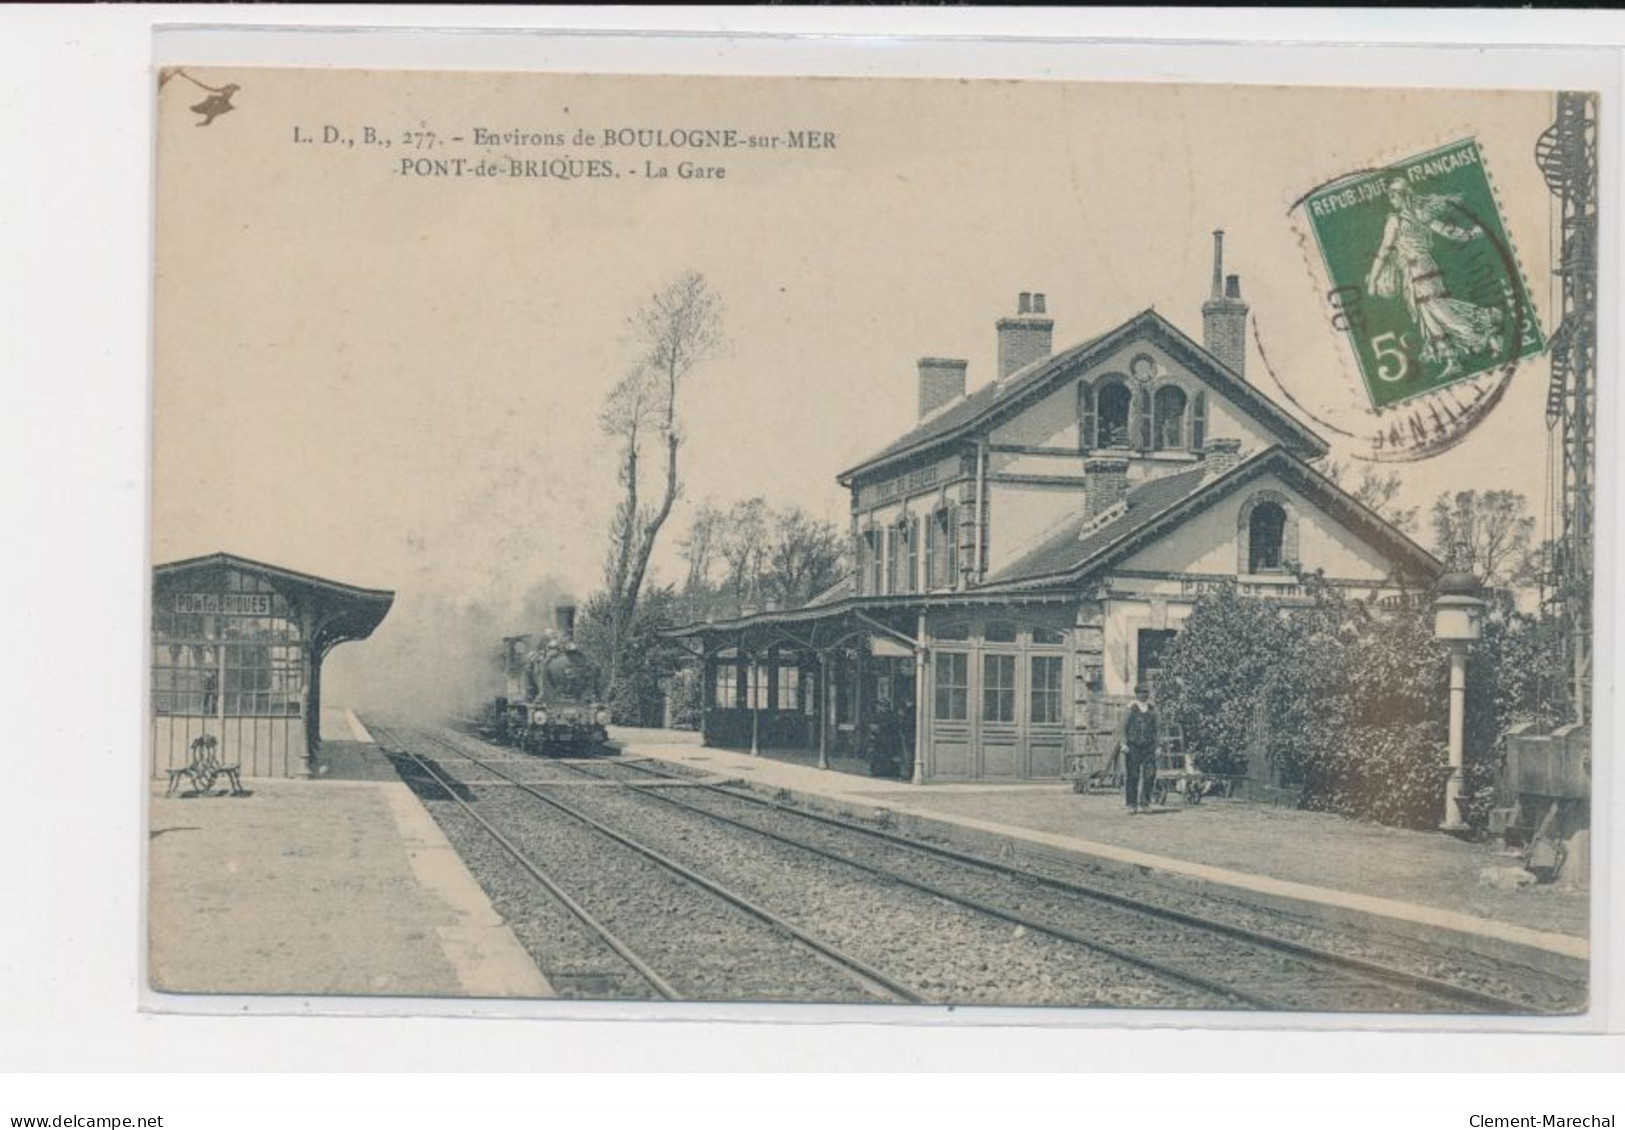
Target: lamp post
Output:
[{"x": 1458, "y": 618}]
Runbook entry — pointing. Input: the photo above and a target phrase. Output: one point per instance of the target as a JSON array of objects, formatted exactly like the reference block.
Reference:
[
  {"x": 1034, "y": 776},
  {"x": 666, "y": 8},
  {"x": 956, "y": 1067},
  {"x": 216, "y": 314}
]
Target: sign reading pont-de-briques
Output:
[{"x": 224, "y": 603}]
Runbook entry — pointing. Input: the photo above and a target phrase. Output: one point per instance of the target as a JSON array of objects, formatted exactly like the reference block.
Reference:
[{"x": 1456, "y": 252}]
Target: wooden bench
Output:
[{"x": 205, "y": 769}]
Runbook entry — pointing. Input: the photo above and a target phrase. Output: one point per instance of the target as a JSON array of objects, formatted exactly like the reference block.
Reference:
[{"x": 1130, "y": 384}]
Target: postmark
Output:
[{"x": 1419, "y": 277}]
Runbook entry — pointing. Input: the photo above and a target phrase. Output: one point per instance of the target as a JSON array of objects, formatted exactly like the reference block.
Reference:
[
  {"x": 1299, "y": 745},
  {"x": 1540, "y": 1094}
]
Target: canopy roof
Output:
[{"x": 342, "y": 612}]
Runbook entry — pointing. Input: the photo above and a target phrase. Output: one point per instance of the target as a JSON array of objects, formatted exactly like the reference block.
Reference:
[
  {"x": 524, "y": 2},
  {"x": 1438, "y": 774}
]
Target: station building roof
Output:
[
  {"x": 1070, "y": 554},
  {"x": 995, "y": 400}
]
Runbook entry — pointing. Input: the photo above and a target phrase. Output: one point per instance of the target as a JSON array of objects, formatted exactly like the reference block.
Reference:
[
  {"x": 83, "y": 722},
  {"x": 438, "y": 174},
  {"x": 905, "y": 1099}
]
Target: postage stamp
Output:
[{"x": 1423, "y": 279}]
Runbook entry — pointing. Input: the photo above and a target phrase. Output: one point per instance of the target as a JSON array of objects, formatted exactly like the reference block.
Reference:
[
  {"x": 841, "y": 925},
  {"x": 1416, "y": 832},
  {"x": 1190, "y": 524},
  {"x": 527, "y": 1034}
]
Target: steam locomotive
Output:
[{"x": 552, "y": 705}]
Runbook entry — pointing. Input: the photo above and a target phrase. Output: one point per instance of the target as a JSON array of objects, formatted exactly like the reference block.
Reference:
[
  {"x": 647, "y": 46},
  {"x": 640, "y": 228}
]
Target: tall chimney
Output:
[
  {"x": 1026, "y": 337},
  {"x": 942, "y": 379},
  {"x": 1105, "y": 484},
  {"x": 1224, "y": 316},
  {"x": 565, "y": 615}
]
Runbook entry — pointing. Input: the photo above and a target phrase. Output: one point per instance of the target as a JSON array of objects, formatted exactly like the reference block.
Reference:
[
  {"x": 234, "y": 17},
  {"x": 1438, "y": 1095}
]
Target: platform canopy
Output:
[
  {"x": 338, "y": 611},
  {"x": 237, "y": 658}
]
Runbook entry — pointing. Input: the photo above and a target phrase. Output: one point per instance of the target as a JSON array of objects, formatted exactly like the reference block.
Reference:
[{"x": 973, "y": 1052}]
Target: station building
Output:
[
  {"x": 237, "y": 650},
  {"x": 1027, "y": 550}
]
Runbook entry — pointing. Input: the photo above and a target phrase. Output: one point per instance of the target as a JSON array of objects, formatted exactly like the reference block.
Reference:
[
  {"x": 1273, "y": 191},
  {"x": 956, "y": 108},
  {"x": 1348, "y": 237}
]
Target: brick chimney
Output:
[
  {"x": 1026, "y": 337},
  {"x": 942, "y": 379},
  {"x": 1224, "y": 316},
  {"x": 1221, "y": 455},
  {"x": 1105, "y": 484}
]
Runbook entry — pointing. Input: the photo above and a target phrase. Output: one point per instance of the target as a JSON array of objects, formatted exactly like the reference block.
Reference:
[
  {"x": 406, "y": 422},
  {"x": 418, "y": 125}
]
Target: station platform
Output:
[
  {"x": 1420, "y": 885},
  {"x": 340, "y": 885}
]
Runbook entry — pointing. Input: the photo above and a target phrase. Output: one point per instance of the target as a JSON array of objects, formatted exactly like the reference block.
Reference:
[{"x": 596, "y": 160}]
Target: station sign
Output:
[
  {"x": 913, "y": 482},
  {"x": 224, "y": 603}
]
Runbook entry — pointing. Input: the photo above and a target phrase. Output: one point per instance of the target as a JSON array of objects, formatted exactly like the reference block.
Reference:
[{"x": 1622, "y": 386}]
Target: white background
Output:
[{"x": 75, "y": 100}]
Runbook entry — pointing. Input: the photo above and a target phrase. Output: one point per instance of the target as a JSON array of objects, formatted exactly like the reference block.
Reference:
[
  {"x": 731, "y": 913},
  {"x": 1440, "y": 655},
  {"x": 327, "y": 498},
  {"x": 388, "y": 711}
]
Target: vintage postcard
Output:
[{"x": 873, "y": 541}]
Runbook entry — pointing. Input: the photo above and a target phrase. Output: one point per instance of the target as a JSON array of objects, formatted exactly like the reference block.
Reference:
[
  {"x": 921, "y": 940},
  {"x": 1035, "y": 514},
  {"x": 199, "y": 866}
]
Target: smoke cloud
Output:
[{"x": 437, "y": 655}]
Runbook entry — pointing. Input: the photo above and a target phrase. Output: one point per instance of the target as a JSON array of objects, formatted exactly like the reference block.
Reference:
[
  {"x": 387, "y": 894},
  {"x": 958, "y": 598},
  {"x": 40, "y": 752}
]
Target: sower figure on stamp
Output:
[
  {"x": 1138, "y": 742},
  {"x": 1406, "y": 266}
]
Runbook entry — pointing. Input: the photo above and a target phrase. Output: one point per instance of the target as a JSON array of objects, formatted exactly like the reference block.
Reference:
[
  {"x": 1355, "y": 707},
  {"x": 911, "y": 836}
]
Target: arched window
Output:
[
  {"x": 1169, "y": 404},
  {"x": 1112, "y": 413},
  {"x": 1266, "y": 536}
]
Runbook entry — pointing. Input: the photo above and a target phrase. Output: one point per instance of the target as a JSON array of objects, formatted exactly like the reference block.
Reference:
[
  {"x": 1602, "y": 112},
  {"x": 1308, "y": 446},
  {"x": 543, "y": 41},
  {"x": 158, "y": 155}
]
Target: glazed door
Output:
[
  {"x": 999, "y": 718},
  {"x": 1046, "y": 731},
  {"x": 952, "y": 751}
]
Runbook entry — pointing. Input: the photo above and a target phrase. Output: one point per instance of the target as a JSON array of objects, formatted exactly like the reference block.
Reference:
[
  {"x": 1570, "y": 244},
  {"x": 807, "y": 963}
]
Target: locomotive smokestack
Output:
[{"x": 566, "y": 617}]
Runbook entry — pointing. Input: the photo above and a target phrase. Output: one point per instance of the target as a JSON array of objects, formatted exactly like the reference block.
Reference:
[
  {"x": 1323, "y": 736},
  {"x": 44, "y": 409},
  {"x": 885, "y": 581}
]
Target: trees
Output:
[
  {"x": 1487, "y": 532},
  {"x": 700, "y": 547},
  {"x": 804, "y": 558},
  {"x": 744, "y": 550},
  {"x": 636, "y": 696},
  {"x": 784, "y": 556},
  {"x": 673, "y": 332},
  {"x": 1378, "y": 491}
]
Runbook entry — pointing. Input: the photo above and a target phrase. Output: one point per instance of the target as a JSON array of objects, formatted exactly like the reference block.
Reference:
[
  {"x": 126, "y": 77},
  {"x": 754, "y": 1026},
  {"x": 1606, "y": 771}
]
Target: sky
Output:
[{"x": 394, "y": 380}]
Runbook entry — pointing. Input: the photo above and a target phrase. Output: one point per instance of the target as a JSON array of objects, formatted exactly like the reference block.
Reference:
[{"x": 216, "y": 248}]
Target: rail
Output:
[
  {"x": 1376, "y": 973},
  {"x": 869, "y": 978}
]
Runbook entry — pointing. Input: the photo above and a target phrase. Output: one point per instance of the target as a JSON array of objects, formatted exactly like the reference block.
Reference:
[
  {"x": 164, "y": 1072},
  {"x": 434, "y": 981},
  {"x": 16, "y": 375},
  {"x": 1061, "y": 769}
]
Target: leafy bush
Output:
[
  {"x": 1347, "y": 702},
  {"x": 636, "y": 689},
  {"x": 683, "y": 694}
]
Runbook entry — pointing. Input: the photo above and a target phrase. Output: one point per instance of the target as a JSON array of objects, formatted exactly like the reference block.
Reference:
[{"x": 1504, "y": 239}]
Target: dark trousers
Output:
[{"x": 1140, "y": 771}]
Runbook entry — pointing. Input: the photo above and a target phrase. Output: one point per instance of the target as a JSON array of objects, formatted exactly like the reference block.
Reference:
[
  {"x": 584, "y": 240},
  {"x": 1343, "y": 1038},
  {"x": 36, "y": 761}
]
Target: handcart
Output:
[
  {"x": 1093, "y": 773},
  {"x": 1177, "y": 771}
]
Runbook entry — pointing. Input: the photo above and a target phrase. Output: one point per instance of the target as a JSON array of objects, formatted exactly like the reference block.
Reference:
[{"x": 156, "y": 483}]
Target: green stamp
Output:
[{"x": 1423, "y": 278}]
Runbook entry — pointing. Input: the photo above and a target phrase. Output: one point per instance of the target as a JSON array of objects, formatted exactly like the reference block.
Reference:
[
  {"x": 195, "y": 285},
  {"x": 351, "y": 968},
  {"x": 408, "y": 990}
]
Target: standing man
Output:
[{"x": 1139, "y": 745}]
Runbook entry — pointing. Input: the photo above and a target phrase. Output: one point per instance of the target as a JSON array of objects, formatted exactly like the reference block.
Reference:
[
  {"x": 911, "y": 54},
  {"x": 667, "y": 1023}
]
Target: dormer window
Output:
[
  {"x": 1112, "y": 403},
  {"x": 1169, "y": 405}
]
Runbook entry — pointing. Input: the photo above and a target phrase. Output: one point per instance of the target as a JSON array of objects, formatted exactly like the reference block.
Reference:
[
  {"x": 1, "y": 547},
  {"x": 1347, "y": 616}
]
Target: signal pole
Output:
[{"x": 1567, "y": 157}]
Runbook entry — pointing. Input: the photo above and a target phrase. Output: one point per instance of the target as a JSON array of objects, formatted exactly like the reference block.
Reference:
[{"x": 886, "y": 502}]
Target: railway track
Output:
[
  {"x": 1201, "y": 963},
  {"x": 1337, "y": 981},
  {"x": 644, "y": 945},
  {"x": 1257, "y": 970},
  {"x": 1260, "y": 969}
]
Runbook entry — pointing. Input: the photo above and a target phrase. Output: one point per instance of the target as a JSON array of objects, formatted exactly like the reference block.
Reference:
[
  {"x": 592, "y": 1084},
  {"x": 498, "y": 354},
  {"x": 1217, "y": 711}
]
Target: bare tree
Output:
[
  {"x": 701, "y": 545},
  {"x": 744, "y": 548},
  {"x": 1487, "y": 532},
  {"x": 676, "y": 329},
  {"x": 765, "y": 554},
  {"x": 1378, "y": 491}
]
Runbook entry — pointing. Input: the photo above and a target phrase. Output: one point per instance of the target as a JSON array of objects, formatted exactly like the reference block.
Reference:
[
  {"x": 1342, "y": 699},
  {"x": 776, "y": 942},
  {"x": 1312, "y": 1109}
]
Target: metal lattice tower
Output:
[{"x": 1567, "y": 157}]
